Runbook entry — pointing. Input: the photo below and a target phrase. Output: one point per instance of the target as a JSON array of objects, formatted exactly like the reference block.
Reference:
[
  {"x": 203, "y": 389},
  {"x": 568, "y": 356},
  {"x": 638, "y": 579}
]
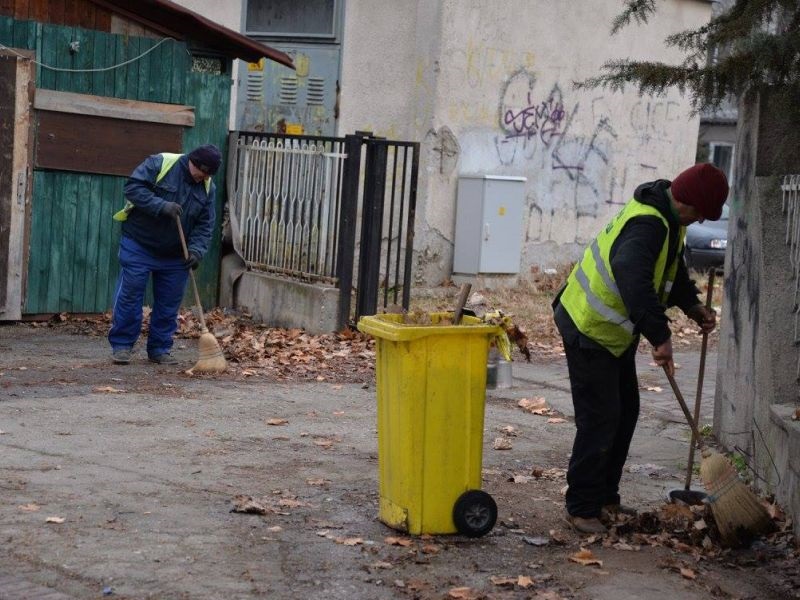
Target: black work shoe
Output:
[
  {"x": 164, "y": 359},
  {"x": 610, "y": 512},
  {"x": 584, "y": 525},
  {"x": 121, "y": 356}
]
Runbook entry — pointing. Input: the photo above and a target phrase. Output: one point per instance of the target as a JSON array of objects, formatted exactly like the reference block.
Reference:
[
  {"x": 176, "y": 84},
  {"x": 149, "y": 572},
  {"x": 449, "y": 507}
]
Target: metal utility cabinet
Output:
[{"x": 489, "y": 211}]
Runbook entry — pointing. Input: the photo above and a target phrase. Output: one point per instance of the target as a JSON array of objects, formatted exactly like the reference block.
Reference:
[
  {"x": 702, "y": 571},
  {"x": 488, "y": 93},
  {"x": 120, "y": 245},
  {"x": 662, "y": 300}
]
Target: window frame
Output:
[{"x": 332, "y": 36}]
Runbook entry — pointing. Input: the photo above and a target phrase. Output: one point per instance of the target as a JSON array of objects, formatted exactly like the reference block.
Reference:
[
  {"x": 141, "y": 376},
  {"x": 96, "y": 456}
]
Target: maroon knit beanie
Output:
[{"x": 703, "y": 186}]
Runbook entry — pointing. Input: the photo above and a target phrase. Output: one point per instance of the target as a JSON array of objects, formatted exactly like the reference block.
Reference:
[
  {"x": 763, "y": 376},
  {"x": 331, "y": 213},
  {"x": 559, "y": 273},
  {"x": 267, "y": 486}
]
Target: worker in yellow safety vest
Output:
[
  {"x": 163, "y": 188},
  {"x": 619, "y": 290}
]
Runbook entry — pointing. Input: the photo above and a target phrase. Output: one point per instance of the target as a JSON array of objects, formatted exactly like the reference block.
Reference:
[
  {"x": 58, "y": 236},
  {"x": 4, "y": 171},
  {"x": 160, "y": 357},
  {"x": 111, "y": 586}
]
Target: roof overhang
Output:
[{"x": 179, "y": 22}]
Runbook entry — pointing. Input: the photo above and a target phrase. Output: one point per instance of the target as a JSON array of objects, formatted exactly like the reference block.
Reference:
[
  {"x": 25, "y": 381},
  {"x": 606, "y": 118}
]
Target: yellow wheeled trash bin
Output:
[{"x": 431, "y": 386}]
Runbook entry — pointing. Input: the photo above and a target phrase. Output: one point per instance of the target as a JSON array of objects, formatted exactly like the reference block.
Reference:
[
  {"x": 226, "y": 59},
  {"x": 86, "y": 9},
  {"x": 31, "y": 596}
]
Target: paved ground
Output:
[{"x": 143, "y": 464}]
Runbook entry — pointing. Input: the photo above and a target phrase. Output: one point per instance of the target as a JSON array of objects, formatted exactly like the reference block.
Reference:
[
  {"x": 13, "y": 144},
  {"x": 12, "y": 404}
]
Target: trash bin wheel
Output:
[{"x": 474, "y": 513}]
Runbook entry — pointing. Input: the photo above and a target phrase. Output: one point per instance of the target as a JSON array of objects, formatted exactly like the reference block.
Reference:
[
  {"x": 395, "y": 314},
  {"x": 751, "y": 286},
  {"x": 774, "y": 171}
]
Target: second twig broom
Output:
[
  {"x": 739, "y": 514},
  {"x": 211, "y": 359}
]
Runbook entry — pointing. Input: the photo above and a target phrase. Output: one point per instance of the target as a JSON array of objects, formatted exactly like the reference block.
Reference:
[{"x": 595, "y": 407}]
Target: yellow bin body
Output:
[{"x": 431, "y": 384}]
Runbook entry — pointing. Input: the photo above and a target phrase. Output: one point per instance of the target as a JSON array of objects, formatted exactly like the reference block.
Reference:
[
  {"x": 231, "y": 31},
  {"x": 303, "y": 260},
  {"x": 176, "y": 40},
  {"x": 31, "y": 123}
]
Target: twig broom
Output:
[
  {"x": 739, "y": 514},
  {"x": 211, "y": 359}
]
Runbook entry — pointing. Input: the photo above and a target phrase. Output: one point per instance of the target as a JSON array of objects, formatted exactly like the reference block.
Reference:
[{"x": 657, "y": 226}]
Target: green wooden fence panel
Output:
[
  {"x": 210, "y": 95},
  {"x": 72, "y": 264}
]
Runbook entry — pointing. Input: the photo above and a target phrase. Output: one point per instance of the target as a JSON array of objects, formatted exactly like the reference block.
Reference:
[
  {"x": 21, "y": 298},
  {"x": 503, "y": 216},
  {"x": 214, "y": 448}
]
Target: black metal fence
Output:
[{"x": 334, "y": 210}]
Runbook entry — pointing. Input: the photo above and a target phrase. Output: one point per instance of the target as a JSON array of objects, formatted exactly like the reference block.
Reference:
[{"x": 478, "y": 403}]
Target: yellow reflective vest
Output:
[
  {"x": 591, "y": 296},
  {"x": 168, "y": 160}
]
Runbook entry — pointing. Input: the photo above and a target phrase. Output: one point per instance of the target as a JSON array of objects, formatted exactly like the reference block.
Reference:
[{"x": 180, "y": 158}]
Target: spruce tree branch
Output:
[{"x": 636, "y": 10}]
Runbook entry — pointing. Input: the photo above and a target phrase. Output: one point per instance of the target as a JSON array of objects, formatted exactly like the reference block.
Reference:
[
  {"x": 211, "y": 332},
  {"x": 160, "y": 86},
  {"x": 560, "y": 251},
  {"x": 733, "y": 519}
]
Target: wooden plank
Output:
[
  {"x": 92, "y": 197},
  {"x": 36, "y": 275},
  {"x": 15, "y": 142},
  {"x": 51, "y": 253},
  {"x": 58, "y": 10},
  {"x": 110, "y": 199},
  {"x": 6, "y": 31},
  {"x": 120, "y": 76},
  {"x": 84, "y": 60},
  {"x": 132, "y": 70},
  {"x": 70, "y": 142},
  {"x": 114, "y": 108},
  {"x": 68, "y": 199},
  {"x": 47, "y": 52},
  {"x": 63, "y": 58},
  {"x": 40, "y": 10},
  {"x": 81, "y": 238},
  {"x": 24, "y": 34},
  {"x": 8, "y": 93}
]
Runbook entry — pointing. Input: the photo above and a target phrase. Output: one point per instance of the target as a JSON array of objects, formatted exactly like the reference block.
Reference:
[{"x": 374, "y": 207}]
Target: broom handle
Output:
[
  {"x": 700, "y": 377},
  {"x": 682, "y": 402},
  {"x": 462, "y": 299},
  {"x": 191, "y": 274}
]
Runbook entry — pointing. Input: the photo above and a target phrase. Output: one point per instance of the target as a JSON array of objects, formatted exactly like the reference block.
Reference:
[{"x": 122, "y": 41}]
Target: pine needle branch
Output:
[{"x": 635, "y": 10}]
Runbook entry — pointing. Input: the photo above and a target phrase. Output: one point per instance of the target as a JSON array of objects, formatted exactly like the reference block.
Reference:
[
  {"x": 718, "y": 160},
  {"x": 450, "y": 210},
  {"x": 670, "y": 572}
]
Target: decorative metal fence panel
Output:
[
  {"x": 287, "y": 205},
  {"x": 791, "y": 208},
  {"x": 296, "y": 204}
]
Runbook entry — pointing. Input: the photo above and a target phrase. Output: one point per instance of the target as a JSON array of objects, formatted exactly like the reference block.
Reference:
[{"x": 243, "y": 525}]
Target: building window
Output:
[
  {"x": 291, "y": 18},
  {"x": 721, "y": 156}
]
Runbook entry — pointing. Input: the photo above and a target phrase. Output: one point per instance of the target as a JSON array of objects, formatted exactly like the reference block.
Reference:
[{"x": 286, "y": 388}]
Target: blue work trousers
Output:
[{"x": 169, "y": 284}]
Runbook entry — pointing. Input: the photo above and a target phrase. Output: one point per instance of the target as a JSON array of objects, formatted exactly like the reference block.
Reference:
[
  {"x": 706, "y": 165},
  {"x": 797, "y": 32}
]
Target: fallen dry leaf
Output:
[
  {"x": 381, "y": 564},
  {"x": 277, "y": 422},
  {"x": 524, "y": 581},
  {"x": 585, "y": 557},
  {"x": 57, "y": 520},
  {"x": 397, "y": 541},
  {"x": 430, "y": 549},
  {"x": 537, "y": 406},
  {"x": 463, "y": 593},
  {"x": 503, "y": 581},
  {"x": 354, "y": 541},
  {"x": 688, "y": 573},
  {"x": 275, "y": 528},
  {"x": 30, "y": 507},
  {"x": 522, "y": 478},
  {"x": 509, "y": 430},
  {"x": 654, "y": 388},
  {"x": 107, "y": 390},
  {"x": 556, "y": 420},
  {"x": 319, "y": 481},
  {"x": 323, "y": 443}
]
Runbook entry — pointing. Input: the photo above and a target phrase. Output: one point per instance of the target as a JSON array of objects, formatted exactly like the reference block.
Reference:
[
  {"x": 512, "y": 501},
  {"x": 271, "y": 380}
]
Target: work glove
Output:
[
  {"x": 171, "y": 210},
  {"x": 192, "y": 262},
  {"x": 706, "y": 318}
]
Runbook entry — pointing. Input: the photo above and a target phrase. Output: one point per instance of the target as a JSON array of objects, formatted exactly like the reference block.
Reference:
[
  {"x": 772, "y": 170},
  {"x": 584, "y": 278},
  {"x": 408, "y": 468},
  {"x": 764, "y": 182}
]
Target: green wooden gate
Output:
[{"x": 72, "y": 261}]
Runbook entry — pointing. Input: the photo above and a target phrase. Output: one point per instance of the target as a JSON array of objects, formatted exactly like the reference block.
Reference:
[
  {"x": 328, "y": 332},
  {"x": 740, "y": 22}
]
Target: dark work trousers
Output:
[{"x": 605, "y": 394}]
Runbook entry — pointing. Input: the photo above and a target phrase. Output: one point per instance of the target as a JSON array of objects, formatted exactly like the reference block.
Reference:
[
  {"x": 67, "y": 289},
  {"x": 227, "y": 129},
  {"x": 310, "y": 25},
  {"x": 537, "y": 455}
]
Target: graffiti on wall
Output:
[{"x": 572, "y": 150}]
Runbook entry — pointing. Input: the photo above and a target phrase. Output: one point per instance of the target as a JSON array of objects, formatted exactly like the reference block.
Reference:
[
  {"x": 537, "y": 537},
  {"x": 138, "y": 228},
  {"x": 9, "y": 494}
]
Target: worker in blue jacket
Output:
[{"x": 161, "y": 189}]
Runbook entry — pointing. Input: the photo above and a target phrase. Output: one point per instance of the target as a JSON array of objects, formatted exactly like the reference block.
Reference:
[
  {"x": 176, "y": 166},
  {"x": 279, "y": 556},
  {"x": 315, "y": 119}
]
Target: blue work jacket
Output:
[{"x": 158, "y": 233}]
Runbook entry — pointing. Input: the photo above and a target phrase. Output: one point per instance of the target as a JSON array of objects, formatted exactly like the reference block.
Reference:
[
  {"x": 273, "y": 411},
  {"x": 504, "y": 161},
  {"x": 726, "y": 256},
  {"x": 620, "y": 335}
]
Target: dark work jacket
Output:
[
  {"x": 633, "y": 258},
  {"x": 157, "y": 233}
]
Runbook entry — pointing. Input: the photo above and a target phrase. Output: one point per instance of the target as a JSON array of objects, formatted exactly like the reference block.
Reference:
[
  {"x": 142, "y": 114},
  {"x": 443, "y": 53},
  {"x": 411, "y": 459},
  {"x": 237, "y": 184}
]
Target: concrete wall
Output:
[
  {"x": 487, "y": 88},
  {"x": 756, "y": 383}
]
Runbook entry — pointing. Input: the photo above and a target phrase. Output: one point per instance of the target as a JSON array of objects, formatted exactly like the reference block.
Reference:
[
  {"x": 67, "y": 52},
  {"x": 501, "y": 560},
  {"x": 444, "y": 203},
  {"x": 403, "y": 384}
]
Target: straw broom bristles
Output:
[
  {"x": 739, "y": 514},
  {"x": 736, "y": 509},
  {"x": 211, "y": 358}
]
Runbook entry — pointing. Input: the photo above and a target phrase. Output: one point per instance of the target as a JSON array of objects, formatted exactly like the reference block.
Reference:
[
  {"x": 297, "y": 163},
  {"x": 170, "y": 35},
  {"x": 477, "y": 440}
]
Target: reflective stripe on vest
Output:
[
  {"x": 168, "y": 160},
  {"x": 592, "y": 297}
]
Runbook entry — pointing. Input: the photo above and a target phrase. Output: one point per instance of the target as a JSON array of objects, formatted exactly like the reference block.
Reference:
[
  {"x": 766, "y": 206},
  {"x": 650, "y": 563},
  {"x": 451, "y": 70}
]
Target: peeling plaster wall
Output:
[
  {"x": 756, "y": 383},
  {"x": 487, "y": 88}
]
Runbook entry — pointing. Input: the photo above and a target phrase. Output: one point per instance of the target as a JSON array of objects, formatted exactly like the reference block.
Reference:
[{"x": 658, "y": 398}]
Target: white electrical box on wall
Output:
[{"x": 489, "y": 211}]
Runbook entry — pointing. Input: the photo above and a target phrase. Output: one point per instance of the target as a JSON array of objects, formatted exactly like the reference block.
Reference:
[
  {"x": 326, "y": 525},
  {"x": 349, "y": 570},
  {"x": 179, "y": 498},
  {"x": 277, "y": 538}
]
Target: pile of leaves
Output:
[
  {"x": 692, "y": 530},
  {"x": 256, "y": 350}
]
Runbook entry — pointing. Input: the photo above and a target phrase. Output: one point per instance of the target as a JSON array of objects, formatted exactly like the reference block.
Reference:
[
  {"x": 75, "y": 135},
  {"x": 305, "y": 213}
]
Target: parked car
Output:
[{"x": 706, "y": 243}]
